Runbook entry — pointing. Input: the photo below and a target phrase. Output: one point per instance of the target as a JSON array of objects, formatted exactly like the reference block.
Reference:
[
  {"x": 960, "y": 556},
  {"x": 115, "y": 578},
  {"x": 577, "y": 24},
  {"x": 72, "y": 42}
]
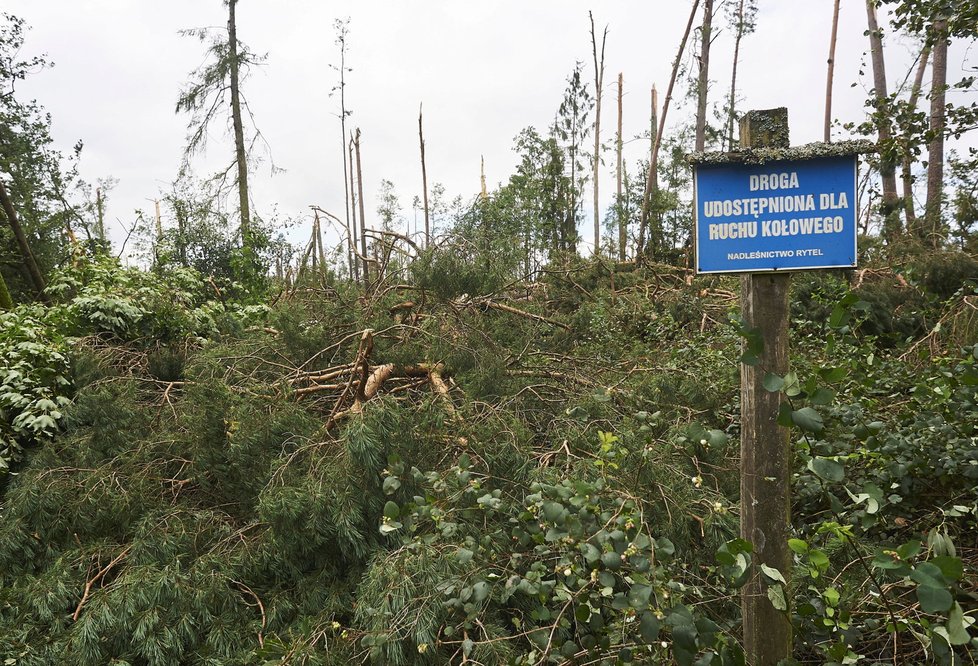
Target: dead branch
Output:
[
  {"x": 522, "y": 313},
  {"x": 99, "y": 576}
]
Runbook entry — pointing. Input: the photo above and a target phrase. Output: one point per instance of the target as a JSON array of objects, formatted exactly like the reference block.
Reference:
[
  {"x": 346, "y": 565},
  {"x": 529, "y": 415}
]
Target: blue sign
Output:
[{"x": 781, "y": 215}]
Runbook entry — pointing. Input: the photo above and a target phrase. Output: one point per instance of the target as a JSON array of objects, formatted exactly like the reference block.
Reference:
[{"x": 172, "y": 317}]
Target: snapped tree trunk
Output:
[
  {"x": 240, "y": 155},
  {"x": 6, "y": 303},
  {"x": 891, "y": 201},
  {"x": 907, "y": 171},
  {"x": 598, "y": 86},
  {"x": 732, "y": 105},
  {"x": 363, "y": 217},
  {"x": 831, "y": 72},
  {"x": 27, "y": 257},
  {"x": 622, "y": 220},
  {"x": 703, "y": 83},
  {"x": 424, "y": 180},
  {"x": 657, "y": 140},
  {"x": 935, "y": 149}
]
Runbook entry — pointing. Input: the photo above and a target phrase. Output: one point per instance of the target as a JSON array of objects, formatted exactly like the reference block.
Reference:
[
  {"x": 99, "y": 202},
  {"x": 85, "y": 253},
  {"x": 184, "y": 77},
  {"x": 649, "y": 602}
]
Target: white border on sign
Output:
[{"x": 696, "y": 235}]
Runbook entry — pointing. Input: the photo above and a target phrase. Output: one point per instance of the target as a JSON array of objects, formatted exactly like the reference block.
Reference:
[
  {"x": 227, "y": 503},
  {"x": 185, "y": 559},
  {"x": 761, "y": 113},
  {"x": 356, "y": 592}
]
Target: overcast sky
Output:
[{"x": 483, "y": 70}]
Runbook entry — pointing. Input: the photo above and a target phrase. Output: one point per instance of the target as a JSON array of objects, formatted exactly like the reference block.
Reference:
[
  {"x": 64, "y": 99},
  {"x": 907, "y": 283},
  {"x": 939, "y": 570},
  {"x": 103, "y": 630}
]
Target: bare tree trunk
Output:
[
  {"x": 239, "y": 147},
  {"x": 655, "y": 226},
  {"x": 353, "y": 230},
  {"x": 27, "y": 257},
  {"x": 424, "y": 181},
  {"x": 622, "y": 220},
  {"x": 482, "y": 178},
  {"x": 6, "y": 303},
  {"x": 319, "y": 241},
  {"x": 831, "y": 72},
  {"x": 907, "y": 171},
  {"x": 732, "y": 110},
  {"x": 935, "y": 149},
  {"x": 363, "y": 217},
  {"x": 100, "y": 218},
  {"x": 703, "y": 84},
  {"x": 657, "y": 141},
  {"x": 891, "y": 201},
  {"x": 598, "y": 87},
  {"x": 159, "y": 222},
  {"x": 347, "y": 163}
]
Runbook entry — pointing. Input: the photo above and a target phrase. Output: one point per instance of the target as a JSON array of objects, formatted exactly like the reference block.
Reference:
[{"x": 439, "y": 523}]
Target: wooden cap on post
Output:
[{"x": 765, "y": 128}]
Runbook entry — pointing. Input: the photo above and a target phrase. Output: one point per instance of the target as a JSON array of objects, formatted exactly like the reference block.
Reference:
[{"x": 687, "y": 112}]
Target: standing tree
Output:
[
  {"x": 657, "y": 139},
  {"x": 827, "y": 134},
  {"x": 891, "y": 201},
  {"x": 571, "y": 126},
  {"x": 213, "y": 89},
  {"x": 938, "y": 123},
  {"x": 598, "y": 85},
  {"x": 939, "y": 21},
  {"x": 743, "y": 16},
  {"x": 342, "y": 28},
  {"x": 35, "y": 210},
  {"x": 703, "y": 80}
]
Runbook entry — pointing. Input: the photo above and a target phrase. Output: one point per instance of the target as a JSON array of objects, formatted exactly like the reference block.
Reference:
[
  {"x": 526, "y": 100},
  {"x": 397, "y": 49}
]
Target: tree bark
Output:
[
  {"x": 424, "y": 181},
  {"x": 598, "y": 86},
  {"x": 765, "y": 446},
  {"x": 907, "y": 171},
  {"x": 353, "y": 230},
  {"x": 347, "y": 157},
  {"x": 657, "y": 140},
  {"x": 891, "y": 201},
  {"x": 239, "y": 144},
  {"x": 27, "y": 257},
  {"x": 6, "y": 303},
  {"x": 622, "y": 220},
  {"x": 732, "y": 111},
  {"x": 831, "y": 72},
  {"x": 703, "y": 83},
  {"x": 363, "y": 217},
  {"x": 935, "y": 149}
]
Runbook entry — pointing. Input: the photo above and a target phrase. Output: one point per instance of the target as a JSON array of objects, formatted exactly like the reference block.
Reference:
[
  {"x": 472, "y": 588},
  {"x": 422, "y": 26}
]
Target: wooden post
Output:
[{"x": 765, "y": 450}]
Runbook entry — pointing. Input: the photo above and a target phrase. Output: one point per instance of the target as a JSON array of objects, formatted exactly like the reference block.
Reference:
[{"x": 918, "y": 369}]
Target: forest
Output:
[{"x": 512, "y": 433}]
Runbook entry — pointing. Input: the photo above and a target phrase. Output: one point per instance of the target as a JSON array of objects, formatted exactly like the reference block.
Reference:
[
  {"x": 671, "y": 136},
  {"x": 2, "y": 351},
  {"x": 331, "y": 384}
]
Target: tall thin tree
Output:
[
  {"x": 908, "y": 158},
  {"x": 619, "y": 144},
  {"x": 424, "y": 179},
  {"x": 598, "y": 88},
  {"x": 342, "y": 28},
  {"x": 891, "y": 201},
  {"x": 657, "y": 140},
  {"x": 938, "y": 121},
  {"x": 703, "y": 80},
  {"x": 830, "y": 73},
  {"x": 205, "y": 98},
  {"x": 363, "y": 216},
  {"x": 743, "y": 20},
  {"x": 240, "y": 155}
]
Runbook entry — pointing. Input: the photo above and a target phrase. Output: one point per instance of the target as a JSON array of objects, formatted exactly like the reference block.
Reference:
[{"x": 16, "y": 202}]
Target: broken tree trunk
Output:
[
  {"x": 27, "y": 257},
  {"x": 657, "y": 142}
]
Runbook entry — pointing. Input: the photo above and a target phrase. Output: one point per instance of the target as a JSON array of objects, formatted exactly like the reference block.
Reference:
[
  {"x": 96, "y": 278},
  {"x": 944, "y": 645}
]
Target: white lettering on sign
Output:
[
  {"x": 774, "y": 181},
  {"x": 757, "y": 206},
  {"x": 802, "y": 226},
  {"x": 733, "y": 230}
]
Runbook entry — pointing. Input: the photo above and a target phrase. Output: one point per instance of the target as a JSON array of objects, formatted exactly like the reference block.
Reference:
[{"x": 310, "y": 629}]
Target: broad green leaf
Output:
[
  {"x": 934, "y": 599},
  {"x": 957, "y": 634},
  {"x": 773, "y": 574},
  {"x": 776, "y": 594},
  {"x": 807, "y": 419},
  {"x": 828, "y": 469},
  {"x": 773, "y": 382},
  {"x": 798, "y": 546}
]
